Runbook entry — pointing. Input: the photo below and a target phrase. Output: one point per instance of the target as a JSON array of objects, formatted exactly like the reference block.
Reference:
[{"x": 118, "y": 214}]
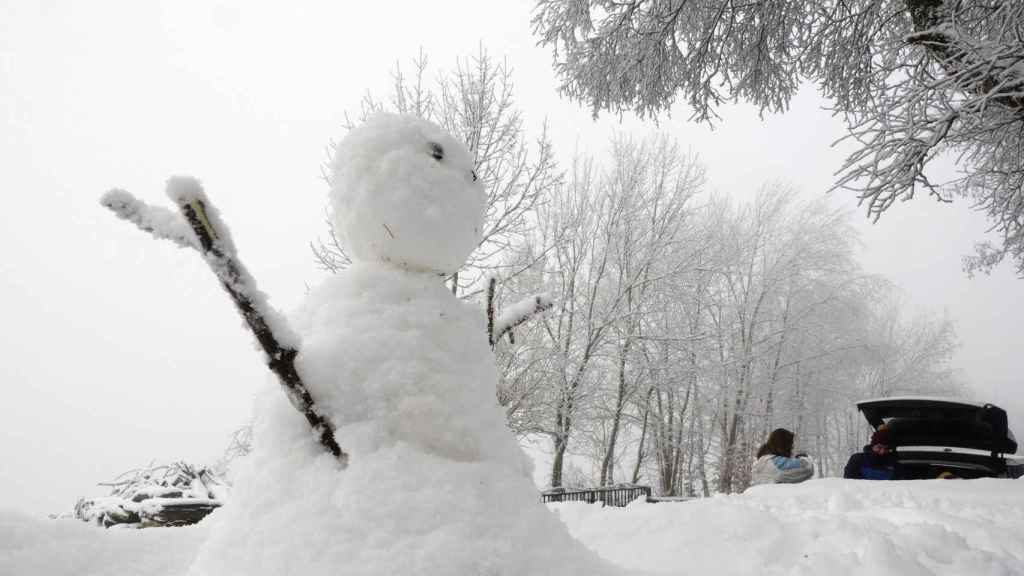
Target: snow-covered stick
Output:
[
  {"x": 516, "y": 314},
  {"x": 210, "y": 236},
  {"x": 160, "y": 222},
  {"x": 491, "y": 283}
]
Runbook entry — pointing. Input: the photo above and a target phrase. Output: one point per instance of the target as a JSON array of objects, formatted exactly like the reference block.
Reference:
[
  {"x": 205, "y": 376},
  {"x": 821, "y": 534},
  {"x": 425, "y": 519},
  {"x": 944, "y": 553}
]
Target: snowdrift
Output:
[{"x": 828, "y": 526}]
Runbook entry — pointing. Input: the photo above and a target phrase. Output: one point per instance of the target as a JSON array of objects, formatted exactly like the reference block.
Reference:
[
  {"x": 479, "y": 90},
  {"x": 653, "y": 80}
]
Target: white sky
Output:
[{"x": 118, "y": 349}]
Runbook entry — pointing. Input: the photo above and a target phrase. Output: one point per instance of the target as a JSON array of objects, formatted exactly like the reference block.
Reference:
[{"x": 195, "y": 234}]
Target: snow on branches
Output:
[
  {"x": 202, "y": 229},
  {"x": 514, "y": 315},
  {"x": 914, "y": 79},
  {"x": 166, "y": 495},
  {"x": 158, "y": 221}
]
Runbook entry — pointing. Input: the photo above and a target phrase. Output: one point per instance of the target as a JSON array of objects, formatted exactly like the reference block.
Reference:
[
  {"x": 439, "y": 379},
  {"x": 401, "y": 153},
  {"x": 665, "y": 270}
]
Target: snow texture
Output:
[
  {"x": 437, "y": 484},
  {"x": 831, "y": 526},
  {"x": 183, "y": 190},
  {"x": 404, "y": 191},
  {"x": 520, "y": 312},
  {"x": 158, "y": 221},
  {"x": 67, "y": 547}
]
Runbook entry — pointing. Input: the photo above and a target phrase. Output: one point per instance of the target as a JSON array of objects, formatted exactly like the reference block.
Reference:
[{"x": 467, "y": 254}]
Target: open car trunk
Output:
[{"x": 932, "y": 436}]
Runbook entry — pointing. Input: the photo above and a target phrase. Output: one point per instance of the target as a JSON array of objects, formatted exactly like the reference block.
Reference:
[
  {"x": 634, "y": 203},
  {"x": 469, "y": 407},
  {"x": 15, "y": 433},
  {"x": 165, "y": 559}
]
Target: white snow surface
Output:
[
  {"x": 828, "y": 526},
  {"x": 393, "y": 201},
  {"x": 32, "y": 546},
  {"x": 436, "y": 483}
]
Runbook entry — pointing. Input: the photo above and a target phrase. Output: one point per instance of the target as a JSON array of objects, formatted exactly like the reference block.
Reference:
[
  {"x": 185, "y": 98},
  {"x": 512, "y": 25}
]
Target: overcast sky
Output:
[{"x": 118, "y": 350}]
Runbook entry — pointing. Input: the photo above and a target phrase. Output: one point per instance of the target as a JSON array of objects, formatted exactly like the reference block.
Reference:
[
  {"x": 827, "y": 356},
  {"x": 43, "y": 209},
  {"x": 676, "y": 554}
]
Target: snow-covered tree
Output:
[
  {"x": 669, "y": 357},
  {"x": 913, "y": 78}
]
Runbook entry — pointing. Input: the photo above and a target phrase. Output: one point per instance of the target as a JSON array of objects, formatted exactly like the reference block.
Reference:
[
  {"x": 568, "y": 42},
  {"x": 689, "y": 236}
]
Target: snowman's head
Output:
[{"x": 404, "y": 191}]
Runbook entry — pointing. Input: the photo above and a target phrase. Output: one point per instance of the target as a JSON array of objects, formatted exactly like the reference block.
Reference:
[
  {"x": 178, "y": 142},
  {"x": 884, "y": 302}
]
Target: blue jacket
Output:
[{"x": 867, "y": 465}]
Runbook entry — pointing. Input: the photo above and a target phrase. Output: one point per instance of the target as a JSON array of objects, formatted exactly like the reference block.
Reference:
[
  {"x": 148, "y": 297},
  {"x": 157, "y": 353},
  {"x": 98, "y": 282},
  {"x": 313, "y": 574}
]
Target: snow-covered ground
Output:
[
  {"x": 827, "y": 526},
  {"x": 32, "y": 546}
]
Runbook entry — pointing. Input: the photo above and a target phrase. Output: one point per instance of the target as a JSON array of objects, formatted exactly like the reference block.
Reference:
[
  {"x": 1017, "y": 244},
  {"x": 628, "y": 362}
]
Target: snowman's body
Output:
[{"x": 437, "y": 484}]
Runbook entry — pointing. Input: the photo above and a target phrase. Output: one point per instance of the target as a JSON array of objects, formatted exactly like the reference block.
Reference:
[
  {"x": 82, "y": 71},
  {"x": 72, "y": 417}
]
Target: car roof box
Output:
[{"x": 941, "y": 422}]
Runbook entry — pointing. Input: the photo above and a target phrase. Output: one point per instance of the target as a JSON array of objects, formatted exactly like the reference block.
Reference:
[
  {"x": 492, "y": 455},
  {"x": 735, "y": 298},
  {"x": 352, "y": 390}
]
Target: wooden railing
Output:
[{"x": 611, "y": 496}]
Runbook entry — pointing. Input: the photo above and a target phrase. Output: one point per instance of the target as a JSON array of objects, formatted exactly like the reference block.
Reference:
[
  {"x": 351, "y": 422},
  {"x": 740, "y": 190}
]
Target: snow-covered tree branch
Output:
[{"x": 915, "y": 79}]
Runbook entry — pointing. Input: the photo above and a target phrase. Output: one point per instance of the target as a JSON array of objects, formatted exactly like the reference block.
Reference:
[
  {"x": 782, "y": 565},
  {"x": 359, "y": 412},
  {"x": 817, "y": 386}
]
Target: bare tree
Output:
[
  {"x": 913, "y": 78},
  {"x": 476, "y": 103},
  {"x": 574, "y": 224},
  {"x": 653, "y": 182}
]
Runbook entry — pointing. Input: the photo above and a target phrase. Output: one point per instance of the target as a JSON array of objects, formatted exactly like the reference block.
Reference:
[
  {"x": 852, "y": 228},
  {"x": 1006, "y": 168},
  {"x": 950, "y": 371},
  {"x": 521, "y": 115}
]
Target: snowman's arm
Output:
[
  {"x": 202, "y": 229},
  {"x": 160, "y": 222},
  {"x": 517, "y": 314}
]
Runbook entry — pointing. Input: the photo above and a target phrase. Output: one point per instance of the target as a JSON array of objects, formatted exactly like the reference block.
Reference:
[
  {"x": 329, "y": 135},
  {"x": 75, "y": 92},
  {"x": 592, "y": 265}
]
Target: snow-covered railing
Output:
[{"x": 611, "y": 496}]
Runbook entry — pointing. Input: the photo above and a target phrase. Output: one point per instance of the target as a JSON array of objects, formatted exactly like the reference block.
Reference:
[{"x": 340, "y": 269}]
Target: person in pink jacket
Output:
[{"x": 775, "y": 463}]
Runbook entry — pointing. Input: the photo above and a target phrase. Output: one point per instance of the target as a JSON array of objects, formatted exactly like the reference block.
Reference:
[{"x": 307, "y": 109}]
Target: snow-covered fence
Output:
[{"x": 613, "y": 496}]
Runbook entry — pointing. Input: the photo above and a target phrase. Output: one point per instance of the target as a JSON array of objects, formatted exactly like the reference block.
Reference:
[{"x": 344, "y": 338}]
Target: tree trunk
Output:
[
  {"x": 643, "y": 439},
  {"x": 557, "y": 463},
  {"x": 620, "y": 402}
]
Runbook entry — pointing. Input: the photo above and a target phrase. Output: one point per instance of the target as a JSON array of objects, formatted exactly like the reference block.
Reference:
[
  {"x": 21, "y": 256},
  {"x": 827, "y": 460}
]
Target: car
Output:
[{"x": 935, "y": 437}]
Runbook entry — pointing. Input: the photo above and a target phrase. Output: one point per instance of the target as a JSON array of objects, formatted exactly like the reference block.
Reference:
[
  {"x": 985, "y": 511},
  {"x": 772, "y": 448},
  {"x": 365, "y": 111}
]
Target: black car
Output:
[{"x": 933, "y": 436}]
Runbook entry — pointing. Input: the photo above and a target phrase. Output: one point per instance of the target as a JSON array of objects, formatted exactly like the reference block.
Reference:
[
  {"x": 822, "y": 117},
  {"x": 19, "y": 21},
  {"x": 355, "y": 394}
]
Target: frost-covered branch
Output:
[
  {"x": 211, "y": 237},
  {"x": 158, "y": 221},
  {"x": 519, "y": 313},
  {"x": 914, "y": 79},
  {"x": 514, "y": 315}
]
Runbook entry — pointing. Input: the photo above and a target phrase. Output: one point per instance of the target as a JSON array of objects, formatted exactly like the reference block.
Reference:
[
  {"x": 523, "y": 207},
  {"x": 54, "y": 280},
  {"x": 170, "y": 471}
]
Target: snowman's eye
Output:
[
  {"x": 473, "y": 172},
  {"x": 436, "y": 151}
]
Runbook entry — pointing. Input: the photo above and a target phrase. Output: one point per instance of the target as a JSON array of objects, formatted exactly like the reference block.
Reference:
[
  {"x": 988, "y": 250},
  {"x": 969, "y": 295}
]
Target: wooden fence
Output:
[{"x": 612, "y": 496}]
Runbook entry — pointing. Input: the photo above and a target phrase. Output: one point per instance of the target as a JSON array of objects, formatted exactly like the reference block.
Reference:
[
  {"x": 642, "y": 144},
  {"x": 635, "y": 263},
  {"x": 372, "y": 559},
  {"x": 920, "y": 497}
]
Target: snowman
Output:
[{"x": 435, "y": 484}]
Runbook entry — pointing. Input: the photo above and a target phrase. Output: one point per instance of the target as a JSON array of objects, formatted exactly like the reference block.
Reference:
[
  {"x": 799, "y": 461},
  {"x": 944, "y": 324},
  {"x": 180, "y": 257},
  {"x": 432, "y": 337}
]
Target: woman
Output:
[{"x": 775, "y": 463}]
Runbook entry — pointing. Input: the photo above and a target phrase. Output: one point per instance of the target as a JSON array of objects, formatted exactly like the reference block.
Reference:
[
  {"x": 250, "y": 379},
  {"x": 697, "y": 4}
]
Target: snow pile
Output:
[
  {"x": 828, "y": 526},
  {"x": 41, "y": 547},
  {"x": 437, "y": 483}
]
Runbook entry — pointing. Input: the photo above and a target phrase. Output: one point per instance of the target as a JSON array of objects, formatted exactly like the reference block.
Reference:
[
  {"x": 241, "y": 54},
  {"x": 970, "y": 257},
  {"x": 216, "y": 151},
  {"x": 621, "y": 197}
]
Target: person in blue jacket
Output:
[
  {"x": 876, "y": 462},
  {"x": 775, "y": 463}
]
